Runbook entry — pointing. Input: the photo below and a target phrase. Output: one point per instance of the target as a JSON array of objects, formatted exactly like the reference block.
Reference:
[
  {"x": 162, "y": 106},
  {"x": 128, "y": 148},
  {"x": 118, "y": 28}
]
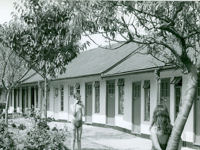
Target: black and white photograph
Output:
[{"x": 99, "y": 75}]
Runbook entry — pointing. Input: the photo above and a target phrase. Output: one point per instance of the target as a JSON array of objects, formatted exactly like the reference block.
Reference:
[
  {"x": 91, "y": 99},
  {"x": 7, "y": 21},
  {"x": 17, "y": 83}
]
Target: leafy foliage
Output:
[
  {"x": 12, "y": 67},
  {"x": 57, "y": 139},
  {"x": 37, "y": 139},
  {"x": 42, "y": 124},
  {"x": 46, "y": 35},
  {"x": 40, "y": 137},
  {"x": 6, "y": 140},
  {"x": 21, "y": 127},
  {"x": 170, "y": 30},
  {"x": 13, "y": 125}
]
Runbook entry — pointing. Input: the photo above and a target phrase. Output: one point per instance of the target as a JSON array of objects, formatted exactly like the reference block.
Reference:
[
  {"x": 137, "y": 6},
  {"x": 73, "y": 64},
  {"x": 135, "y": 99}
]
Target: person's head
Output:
[
  {"x": 161, "y": 119},
  {"x": 77, "y": 96}
]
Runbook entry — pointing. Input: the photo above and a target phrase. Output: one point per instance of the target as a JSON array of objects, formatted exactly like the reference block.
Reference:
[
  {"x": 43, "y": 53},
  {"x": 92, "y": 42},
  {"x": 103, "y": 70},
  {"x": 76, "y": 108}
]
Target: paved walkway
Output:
[{"x": 99, "y": 138}]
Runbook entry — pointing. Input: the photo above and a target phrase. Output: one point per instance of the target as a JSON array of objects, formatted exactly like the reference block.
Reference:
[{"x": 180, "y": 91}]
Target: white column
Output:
[
  {"x": 35, "y": 97},
  {"x": 12, "y": 98}
]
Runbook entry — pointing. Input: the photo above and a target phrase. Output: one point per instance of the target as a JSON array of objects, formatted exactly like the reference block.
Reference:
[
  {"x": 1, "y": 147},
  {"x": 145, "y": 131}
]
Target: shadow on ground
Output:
[{"x": 89, "y": 149}]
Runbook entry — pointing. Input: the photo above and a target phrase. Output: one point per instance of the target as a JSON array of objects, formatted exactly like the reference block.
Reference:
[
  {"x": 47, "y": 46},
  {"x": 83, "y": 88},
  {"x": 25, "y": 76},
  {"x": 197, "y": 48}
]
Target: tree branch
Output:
[
  {"x": 170, "y": 30},
  {"x": 152, "y": 15},
  {"x": 191, "y": 34},
  {"x": 32, "y": 65},
  {"x": 17, "y": 81},
  {"x": 180, "y": 8}
]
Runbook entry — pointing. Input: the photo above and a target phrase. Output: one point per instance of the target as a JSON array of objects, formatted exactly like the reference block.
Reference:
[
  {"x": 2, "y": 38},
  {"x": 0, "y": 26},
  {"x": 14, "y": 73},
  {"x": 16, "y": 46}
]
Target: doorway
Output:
[
  {"x": 110, "y": 102},
  {"x": 136, "y": 107},
  {"x": 88, "y": 102}
]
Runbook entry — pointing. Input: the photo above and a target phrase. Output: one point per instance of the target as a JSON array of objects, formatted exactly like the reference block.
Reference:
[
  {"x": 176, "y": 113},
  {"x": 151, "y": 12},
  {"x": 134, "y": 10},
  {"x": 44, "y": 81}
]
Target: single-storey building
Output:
[{"x": 119, "y": 87}]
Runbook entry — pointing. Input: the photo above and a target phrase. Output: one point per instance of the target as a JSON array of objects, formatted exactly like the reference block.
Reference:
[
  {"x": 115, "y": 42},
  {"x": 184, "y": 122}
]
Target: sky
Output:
[{"x": 6, "y": 7}]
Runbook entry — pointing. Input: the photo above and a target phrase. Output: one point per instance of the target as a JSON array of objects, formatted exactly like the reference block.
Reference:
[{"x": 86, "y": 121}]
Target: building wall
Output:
[
  {"x": 55, "y": 102},
  {"x": 125, "y": 120}
]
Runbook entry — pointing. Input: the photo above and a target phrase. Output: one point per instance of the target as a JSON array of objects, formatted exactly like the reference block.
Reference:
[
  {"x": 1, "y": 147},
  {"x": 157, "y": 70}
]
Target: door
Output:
[
  {"x": 165, "y": 92},
  {"x": 55, "y": 106},
  {"x": 110, "y": 102},
  {"x": 88, "y": 102},
  {"x": 70, "y": 101},
  {"x": 136, "y": 106},
  {"x": 32, "y": 98},
  {"x": 23, "y": 100},
  {"x": 197, "y": 114},
  {"x": 177, "y": 99},
  {"x": 15, "y": 100}
]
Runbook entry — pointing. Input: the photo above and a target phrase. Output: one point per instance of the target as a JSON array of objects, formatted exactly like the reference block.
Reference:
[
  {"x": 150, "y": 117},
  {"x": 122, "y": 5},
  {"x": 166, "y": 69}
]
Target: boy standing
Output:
[{"x": 77, "y": 112}]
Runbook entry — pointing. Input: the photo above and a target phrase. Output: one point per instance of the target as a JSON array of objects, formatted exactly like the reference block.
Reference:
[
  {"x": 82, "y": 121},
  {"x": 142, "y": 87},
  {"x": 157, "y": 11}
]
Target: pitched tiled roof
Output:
[
  {"x": 93, "y": 62},
  {"x": 138, "y": 61},
  {"x": 96, "y": 61},
  {"x": 35, "y": 77}
]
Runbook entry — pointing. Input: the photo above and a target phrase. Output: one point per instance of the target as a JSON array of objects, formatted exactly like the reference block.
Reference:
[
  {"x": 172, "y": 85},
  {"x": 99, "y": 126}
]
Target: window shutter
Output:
[
  {"x": 77, "y": 86},
  {"x": 120, "y": 82},
  {"x": 177, "y": 81},
  {"x": 96, "y": 84},
  {"x": 146, "y": 85}
]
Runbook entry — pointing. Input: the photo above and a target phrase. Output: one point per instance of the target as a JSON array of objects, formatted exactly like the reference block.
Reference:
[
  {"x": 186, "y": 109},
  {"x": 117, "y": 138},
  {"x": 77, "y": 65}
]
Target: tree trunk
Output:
[
  {"x": 40, "y": 98},
  {"x": 45, "y": 98},
  {"x": 188, "y": 100},
  {"x": 7, "y": 104}
]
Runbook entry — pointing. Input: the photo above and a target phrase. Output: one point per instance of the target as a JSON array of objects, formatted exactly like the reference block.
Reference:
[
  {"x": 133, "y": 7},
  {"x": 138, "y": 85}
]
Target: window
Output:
[
  {"x": 36, "y": 97},
  {"x": 71, "y": 90},
  {"x": 111, "y": 87},
  {"x": 165, "y": 92},
  {"x": 62, "y": 98},
  {"x": 10, "y": 103},
  {"x": 198, "y": 89},
  {"x": 164, "y": 88},
  {"x": 97, "y": 96},
  {"x": 177, "y": 81},
  {"x": 120, "y": 84},
  {"x": 77, "y": 87},
  {"x": 55, "y": 92},
  {"x": 146, "y": 87}
]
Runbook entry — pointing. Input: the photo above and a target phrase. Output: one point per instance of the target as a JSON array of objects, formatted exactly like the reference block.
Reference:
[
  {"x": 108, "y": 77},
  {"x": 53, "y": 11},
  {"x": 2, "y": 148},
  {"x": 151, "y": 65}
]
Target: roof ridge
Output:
[
  {"x": 106, "y": 47},
  {"x": 29, "y": 76},
  {"x": 122, "y": 60}
]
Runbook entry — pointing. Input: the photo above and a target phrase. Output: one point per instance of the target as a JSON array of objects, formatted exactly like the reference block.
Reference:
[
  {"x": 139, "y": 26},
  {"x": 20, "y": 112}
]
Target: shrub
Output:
[
  {"x": 57, "y": 140},
  {"x": 37, "y": 138},
  {"x": 13, "y": 125},
  {"x": 54, "y": 129},
  {"x": 42, "y": 124},
  {"x": 49, "y": 119},
  {"x": 3, "y": 127},
  {"x": 21, "y": 127},
  {"x": 41, "y": 138},
  {"x": 6, "y": 140}
]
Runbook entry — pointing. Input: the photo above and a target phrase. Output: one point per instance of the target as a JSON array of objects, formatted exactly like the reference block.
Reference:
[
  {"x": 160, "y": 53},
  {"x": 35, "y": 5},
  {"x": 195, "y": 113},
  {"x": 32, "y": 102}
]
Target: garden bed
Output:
[{"x": 27, "y": 134}]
